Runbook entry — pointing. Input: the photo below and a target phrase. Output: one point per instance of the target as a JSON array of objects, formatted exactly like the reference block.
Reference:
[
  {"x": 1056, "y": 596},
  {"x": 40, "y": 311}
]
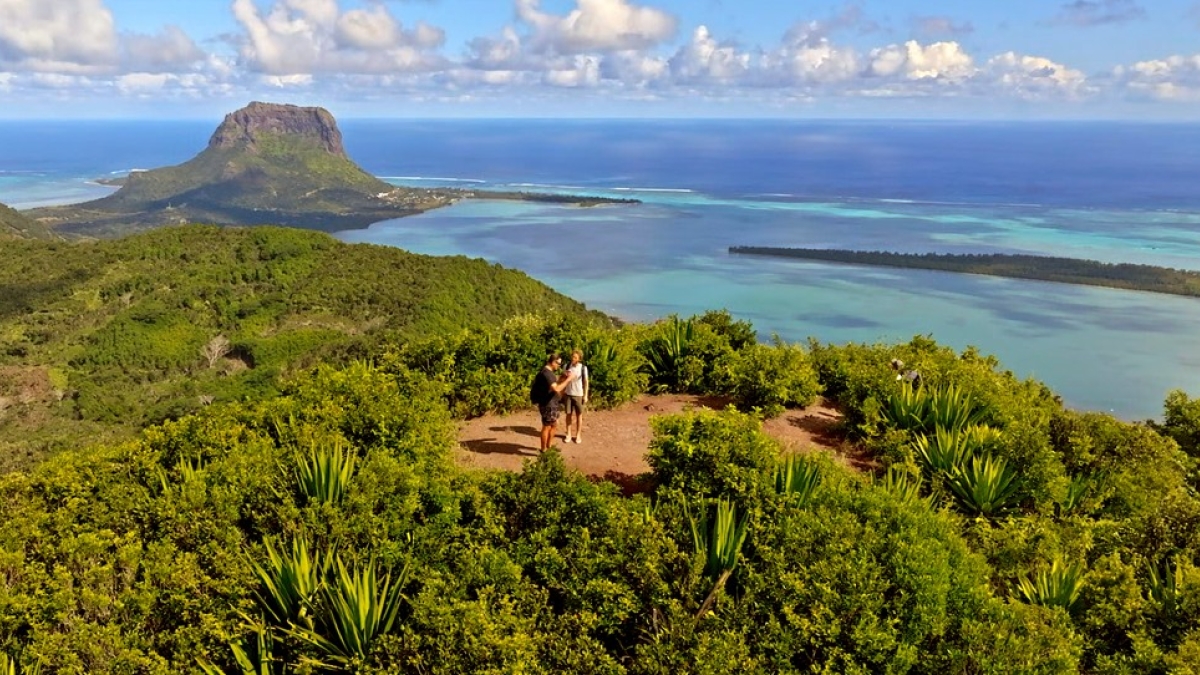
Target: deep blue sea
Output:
[{"x": 1105, "y": 191}]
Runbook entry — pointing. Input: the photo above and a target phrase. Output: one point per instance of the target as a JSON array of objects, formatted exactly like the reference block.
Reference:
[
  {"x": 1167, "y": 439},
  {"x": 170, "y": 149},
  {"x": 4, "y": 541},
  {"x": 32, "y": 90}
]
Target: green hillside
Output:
[
  {"x": 103, "y": 337},
  {"x": 13, "y": 225}
]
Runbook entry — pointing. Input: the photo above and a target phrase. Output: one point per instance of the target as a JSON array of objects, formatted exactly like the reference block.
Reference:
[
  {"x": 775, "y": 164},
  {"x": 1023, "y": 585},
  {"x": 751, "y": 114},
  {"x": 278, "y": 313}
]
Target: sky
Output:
[{"x": 1012, "y": 59}]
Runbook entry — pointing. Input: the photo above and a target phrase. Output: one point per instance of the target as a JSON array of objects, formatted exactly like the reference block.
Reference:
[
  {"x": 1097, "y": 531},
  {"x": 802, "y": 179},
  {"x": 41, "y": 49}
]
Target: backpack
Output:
[{"x": 538, "y": 389}]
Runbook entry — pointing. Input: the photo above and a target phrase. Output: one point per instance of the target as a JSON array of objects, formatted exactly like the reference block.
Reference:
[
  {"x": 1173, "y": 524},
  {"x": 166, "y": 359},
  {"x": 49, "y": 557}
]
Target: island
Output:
[
  {"x": 267, "y": 163},
  {"x": 1077, "y": 271}
]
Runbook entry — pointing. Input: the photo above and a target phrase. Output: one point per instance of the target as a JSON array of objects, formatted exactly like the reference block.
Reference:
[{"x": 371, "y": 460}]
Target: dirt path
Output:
[{"x": 615, "y": 441}]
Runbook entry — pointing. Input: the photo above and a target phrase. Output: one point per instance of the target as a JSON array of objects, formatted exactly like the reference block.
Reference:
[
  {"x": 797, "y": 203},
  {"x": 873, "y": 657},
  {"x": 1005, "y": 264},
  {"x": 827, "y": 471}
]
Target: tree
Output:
[{"x": 215, "y": 349}]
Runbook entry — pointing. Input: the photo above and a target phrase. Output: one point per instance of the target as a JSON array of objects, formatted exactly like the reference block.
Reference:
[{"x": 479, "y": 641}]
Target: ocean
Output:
[{"x": 1116, "y": 192}]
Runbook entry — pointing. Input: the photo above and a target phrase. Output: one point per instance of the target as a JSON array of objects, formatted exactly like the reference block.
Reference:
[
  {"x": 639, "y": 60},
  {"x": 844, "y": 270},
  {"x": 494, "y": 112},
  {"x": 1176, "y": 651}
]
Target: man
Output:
[
  {"x": 548, "y": 386},
  {"x": 575, "y": 396}
]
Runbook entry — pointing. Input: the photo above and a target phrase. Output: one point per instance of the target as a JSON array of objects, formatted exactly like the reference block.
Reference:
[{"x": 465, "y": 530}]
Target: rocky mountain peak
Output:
[{"x": 243, "y": 128}]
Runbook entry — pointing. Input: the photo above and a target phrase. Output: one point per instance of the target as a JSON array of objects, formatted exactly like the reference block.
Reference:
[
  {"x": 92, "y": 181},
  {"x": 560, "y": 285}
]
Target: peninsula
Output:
[
  {"x": 265, "y": 164},
  {"x": 1038, "y": 268}
]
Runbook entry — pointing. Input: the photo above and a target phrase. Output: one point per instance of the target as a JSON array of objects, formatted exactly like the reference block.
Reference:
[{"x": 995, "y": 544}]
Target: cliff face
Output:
[{"x": 244, "y": 128}]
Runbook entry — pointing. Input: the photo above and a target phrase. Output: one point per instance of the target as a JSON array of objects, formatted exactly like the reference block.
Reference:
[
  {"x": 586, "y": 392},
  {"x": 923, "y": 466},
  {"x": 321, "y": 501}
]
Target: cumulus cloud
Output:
[
  {"x": 1087, "y": 13},
  {"x": 945, "y": 61},
  {"x": 171, "y": 49},
  {"x": 1175, "y": 78},
  {"x": 61, "y": 36},
  {"x": 705, "y": 60},
  {"x": 304, "y": 37},
  {"x": 596, "y": 26},
  {"x": 1033, "y": 77},
  {"x": 940, "y": 26}
]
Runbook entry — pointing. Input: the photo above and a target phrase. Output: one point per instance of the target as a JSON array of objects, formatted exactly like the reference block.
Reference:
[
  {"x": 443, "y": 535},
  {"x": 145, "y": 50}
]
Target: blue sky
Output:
[{"x": 1019, "y": 59}]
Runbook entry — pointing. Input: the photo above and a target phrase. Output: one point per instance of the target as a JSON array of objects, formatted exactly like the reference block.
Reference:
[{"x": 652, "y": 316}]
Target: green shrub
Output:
[
  {"x": 707, "y": 454},
  {"x": 771, "y": 378}
]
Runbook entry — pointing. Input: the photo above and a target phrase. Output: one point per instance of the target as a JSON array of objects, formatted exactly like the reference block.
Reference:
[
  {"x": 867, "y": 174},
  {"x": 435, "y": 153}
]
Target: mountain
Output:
[
  {"x": 266, "y": 163},
  {"x": 14, "y": 225}
]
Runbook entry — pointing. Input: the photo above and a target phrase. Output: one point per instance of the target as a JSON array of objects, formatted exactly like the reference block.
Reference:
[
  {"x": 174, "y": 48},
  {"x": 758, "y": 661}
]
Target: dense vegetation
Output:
[
  {"x": 326, "y": 528},
  {"x": 1041, "y": 268},
  {"x": 318, "y": 522},
  {"x": 101, "y": 338},
  {"x": 14, "y": 225}
]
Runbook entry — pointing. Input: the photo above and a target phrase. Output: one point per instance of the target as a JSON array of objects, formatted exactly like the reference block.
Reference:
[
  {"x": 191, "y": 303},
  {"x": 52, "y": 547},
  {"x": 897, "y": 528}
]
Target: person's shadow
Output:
[
  {"x": 491, "y": 446},
  {"x": 524, "y": 431}
]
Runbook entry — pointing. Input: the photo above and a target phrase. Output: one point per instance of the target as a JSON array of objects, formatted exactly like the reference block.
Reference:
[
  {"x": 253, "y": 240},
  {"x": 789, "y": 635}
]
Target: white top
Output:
[{"x": 575, "y": 386}]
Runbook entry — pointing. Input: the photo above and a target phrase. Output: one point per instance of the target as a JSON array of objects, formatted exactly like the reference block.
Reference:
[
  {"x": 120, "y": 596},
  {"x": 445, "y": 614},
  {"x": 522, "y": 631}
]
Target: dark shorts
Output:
[
  {"x": 549, "y": 412},
  {"x": 573, "y": 404}
]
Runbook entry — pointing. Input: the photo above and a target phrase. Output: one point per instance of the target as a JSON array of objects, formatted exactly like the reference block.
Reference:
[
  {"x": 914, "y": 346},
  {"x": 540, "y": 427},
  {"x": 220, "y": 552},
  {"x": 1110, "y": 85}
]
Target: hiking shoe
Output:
[{"x": 577, "y": 440}]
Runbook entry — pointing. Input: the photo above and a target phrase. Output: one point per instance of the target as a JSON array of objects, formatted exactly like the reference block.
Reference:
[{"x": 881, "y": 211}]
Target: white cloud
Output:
[
  {"x": 64, "y": 35},
  {"x": 704, "y": 60},
  {"x": 171, "y": 49},
  {"x": 584, "y": 72},
  {"x": 304, "y": 37},
  {"x": 945, "y": 61},
  {"x": 634, "y": 68},
  {"x": 596, "y": 25},
  {"x": 1174, "y": 78},
  {"x": 807, "y": 56},
  {"x": 1034, "y": 76}
]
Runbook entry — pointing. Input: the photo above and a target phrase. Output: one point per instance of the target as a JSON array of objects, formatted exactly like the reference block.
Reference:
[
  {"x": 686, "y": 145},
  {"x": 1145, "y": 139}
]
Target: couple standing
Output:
[{"x": 570, "y": 389}]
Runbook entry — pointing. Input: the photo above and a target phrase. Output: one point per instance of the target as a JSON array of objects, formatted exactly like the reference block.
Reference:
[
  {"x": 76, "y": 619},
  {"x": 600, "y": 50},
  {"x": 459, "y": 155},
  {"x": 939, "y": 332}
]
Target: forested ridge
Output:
[
  {"x": 313, "y": 519},
  {"x": 103, "y": 337},
  {"x": 1040, "y": 268}
]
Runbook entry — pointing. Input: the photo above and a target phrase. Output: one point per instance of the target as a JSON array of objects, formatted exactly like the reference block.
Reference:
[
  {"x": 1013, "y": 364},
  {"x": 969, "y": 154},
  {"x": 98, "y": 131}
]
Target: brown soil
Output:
[{"x": 615, "y": 441}]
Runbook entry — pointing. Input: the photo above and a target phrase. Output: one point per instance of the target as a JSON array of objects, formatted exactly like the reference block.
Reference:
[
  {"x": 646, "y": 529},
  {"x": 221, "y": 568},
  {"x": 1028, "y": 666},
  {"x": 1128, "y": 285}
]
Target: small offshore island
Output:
[
  {"x": 266, "y": 164},
  {"x": 1077, "y": 271}
]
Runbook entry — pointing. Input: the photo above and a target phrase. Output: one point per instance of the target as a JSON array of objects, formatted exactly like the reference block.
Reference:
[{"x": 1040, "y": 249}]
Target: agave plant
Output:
[
  {"x": 924, "y": 409},
  {"x": 904, "y": 485},
  {"x": 11, "y": 665},
  {"x": 944, "y": 451},
  {"x": 289, "y": 582},
  {"x": 906, "y": 407},
  {"x": 257, "y": 659},
  {"x": 720, "y": 540},
  {"x": 794, "y": 476},
  {"x": 985, "y": 486},
  {"x": 1058, "y": 586},
  {"x": 951, "y": 407},
  {"x": 1166, "y": 579},
  {"x": 355, "y": 608},
  {"x": 1080, "y": 487},
  {"x": 666, "y": 352},
  {"x": 325, "y": 473}
]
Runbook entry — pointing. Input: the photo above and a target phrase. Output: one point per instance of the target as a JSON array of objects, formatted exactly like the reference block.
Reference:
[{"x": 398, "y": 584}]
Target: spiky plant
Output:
[
  {"x": 1058, "y": 586},
  {"x": 325, "y": 473},
  {"x": 11, "y": 665},
  {"x": 1165, "y": 581},
  {"x": 795, "y": 476},
  {"x": 256, "y": 659},
  {"x": 904, "y": 485},
  {"x": 665, "y": 353},
  {"x": 1080, "y": 487},
  {"x": 906, "y": 407},
  {"x": 952, "y": 407},
  {"x": 289, "y": 582},
  {"x": 923, "y": 409},
  {"x": 719, "y": 539},
  {"x": 943, "y": 451},
  {"x": 355, "y": 608},
  {"x": 985, "y": 486}
]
